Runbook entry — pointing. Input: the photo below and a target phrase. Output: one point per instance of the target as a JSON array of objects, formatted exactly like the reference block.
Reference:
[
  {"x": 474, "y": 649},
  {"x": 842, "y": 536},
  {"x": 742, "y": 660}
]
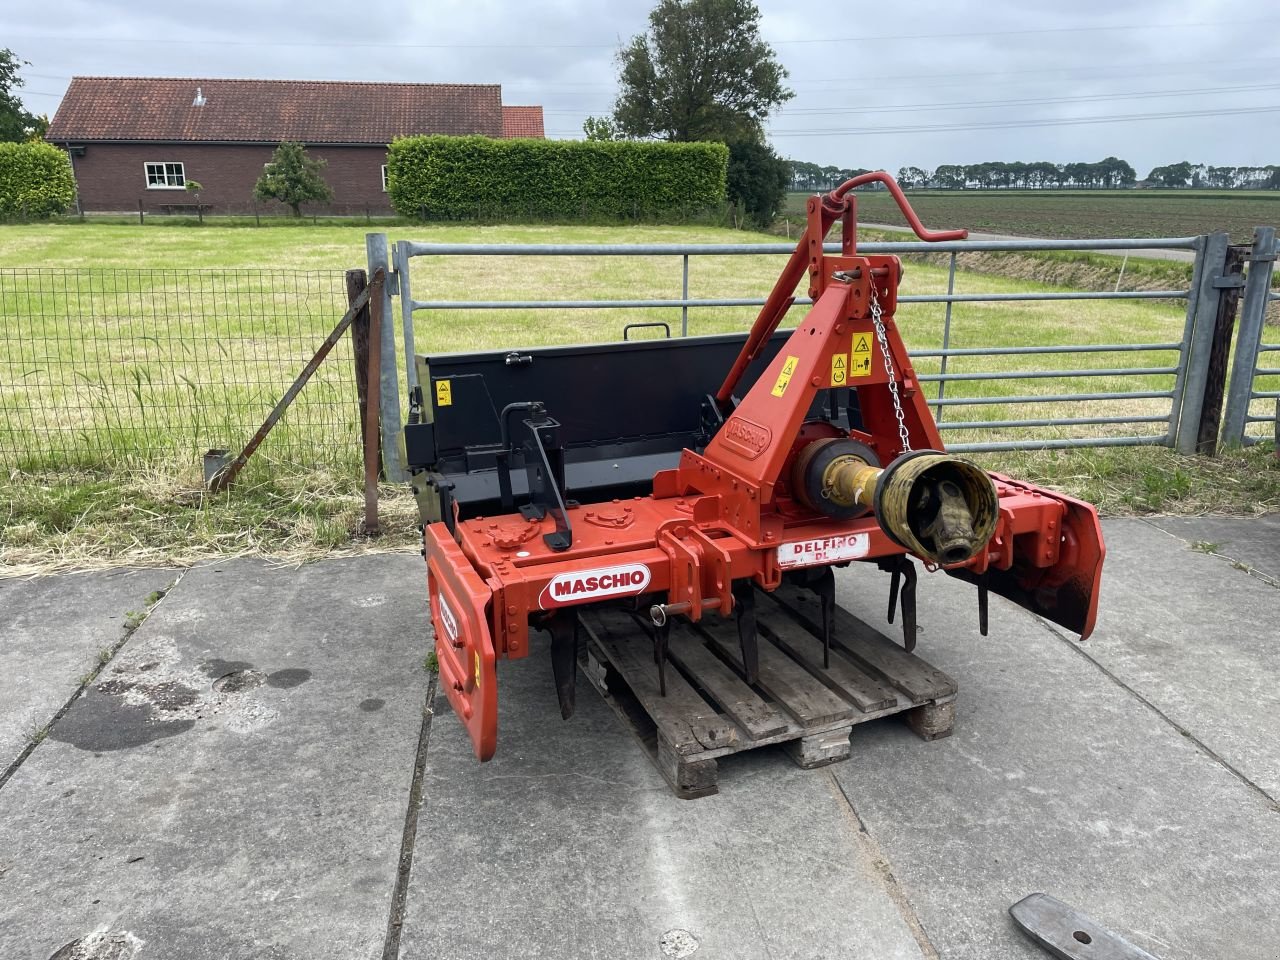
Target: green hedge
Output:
[
  {"x": 455, "y": 178},
  {"x": 35, "y": 181}
]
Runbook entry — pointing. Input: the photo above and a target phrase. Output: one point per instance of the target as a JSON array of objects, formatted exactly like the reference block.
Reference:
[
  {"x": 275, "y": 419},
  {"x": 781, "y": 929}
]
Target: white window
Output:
[
  {"x": 165, "y": 176},
  {"x": 384, "y": 178}
]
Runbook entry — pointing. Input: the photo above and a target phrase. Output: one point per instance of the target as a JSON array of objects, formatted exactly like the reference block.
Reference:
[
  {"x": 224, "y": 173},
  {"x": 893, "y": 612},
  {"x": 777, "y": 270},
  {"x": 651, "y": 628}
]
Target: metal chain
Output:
[{"x": 876, "y": 314}]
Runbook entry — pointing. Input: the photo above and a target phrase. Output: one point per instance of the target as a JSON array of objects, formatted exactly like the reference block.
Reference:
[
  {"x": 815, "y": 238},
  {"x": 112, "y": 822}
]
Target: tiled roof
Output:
[
  {"x": 269, "y": 111},
  {"x": 522, "y": 122}
]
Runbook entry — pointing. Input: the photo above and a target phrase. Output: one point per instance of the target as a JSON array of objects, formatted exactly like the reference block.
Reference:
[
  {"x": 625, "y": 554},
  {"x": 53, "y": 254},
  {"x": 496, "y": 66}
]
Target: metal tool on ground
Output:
[
  {"x": 1068, "y": 934},
  {"x": 555, "y": 481}
]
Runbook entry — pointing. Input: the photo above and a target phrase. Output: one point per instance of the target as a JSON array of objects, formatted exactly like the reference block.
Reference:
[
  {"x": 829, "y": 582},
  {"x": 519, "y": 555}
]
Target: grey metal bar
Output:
[
  {"x": 416, "y": 249},
  {"x": 389, "y": 390},
  {"x": 1253, "y": 314},
  {"x": 1047, "y": 374},
  {"x": 581, "y": 304},
  {"x": 1047, "y": 422},
  {"x": 684, "y": 295},
  {"x": 1200, "y": 341},
  {"x": 1074, "y": 295},
  {"x": 1268, "y": 347},
  {"x": 757, "y": 301},
  {"x": 1066, "y": 444},
  {"x": 1265, "y": 395},
  {"x": 406, "y": 316},
  {"x": 946, "y": 336},
  {"x": 1074, "y": 348},
  {"x": 1058, "y": 398}
]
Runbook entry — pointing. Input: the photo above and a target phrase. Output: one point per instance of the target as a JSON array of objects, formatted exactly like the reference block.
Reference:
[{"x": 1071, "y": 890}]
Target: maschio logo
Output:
[
  {"x": 567, "y": 588},
  {"x": 746, "y": 437},
  {"x": 447, "y": 619}
]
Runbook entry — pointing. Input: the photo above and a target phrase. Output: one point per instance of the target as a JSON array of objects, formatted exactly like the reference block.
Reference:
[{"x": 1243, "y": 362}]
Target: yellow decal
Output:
[
  {"x": 784, "y": 377},
  {"x": 860, "y": 364},
  {"x": 444, "y": 394},
  {"x": 477, "y": 656},
  {"x": 839, "y": 370}
]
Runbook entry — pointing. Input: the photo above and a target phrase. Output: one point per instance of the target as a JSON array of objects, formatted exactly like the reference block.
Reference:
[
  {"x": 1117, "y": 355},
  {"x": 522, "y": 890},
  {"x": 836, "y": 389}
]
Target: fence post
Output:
[
  {"x": 1198, "y": 344},
  {"x": 401, "y": 263},
  {"x": 357, "y": 280},
  {"x": 389, "y": 382},
  {"x": 1230, "y": 284},
  {"x": 1253, "y": 315}
]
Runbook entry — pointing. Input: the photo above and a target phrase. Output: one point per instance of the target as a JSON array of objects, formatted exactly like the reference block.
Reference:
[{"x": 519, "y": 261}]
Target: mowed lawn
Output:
[{"x": 186, "y": 335}]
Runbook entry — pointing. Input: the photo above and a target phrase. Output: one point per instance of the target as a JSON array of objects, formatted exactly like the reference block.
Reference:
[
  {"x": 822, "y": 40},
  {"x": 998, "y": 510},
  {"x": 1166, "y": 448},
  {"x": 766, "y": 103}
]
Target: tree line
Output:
[{"x": 1110, "y": 173}]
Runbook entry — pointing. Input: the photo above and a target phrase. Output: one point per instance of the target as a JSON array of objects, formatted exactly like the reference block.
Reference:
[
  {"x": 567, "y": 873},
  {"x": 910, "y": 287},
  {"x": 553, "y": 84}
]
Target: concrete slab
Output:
[
  {"x": 1252, "y": 540},
  {"x": 54, "y": 629},
  {"x": 1058, "y": 780},
  {"x": 235, "y": 785},
  {"x": 569, "y": 844},
  {"x": 1196, "y": 638}
]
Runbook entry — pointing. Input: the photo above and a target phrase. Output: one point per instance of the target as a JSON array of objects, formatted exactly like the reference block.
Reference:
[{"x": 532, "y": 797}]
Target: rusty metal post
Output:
[
  {"x": 357, "y": 280},
  {"x": 1231, "y": 283},
  {"x": 373, "y": 379}
]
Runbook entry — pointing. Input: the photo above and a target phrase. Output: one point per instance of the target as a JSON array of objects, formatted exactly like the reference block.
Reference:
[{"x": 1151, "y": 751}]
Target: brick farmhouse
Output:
[{"x": 136, "y": 141}]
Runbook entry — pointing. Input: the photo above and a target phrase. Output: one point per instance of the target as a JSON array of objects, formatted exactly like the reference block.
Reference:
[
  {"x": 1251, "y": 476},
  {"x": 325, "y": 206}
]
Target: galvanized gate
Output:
[{"x": 1181, "y": 371}]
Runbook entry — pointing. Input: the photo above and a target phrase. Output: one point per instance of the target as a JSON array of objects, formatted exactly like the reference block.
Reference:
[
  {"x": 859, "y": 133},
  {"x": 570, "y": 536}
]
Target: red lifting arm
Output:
[{"x": 834, "y": 205}]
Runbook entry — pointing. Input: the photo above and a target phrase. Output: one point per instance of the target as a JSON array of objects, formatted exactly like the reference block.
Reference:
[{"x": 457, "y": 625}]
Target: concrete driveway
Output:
[{"x": 261, "y": 769}]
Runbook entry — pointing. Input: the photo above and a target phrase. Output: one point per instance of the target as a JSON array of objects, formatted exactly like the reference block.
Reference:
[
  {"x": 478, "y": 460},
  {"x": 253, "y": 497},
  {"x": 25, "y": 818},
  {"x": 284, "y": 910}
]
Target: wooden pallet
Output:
[{"x": 711, "y": 712}]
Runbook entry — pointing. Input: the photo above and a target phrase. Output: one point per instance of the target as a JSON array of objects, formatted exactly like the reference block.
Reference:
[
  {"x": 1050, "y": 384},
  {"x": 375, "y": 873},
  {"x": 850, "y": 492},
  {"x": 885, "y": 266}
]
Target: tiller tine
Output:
[
  {"x": 744, "y": 598},
  {"x": 902, "y": 583},
  {"x": 563, "y": 628},
  {"x": 661, "y": 640}
]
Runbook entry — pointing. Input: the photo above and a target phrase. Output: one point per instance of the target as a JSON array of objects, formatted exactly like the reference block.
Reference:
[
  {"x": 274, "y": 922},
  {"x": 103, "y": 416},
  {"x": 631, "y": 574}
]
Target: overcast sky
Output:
[{"x": 868, "y": 87}]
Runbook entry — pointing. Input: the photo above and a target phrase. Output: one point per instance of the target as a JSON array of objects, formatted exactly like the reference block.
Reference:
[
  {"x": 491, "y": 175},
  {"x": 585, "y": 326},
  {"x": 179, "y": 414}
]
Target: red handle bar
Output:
[{"x": 880, "y": 176}]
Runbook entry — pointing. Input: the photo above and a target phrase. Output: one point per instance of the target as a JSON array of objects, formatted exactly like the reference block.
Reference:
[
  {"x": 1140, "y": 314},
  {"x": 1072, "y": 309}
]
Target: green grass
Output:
[
  {"x": 123, "y": 361},
  {"x": 1079, "y": 213}
]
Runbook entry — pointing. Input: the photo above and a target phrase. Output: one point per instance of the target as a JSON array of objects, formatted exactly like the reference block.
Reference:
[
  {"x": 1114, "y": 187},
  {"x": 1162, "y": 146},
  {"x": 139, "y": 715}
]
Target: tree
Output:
[
  {"x": 757, "y": 180},
  {"x": 1172, "y": 175},
  {"x": 293, "y": 177},
  {"x": 700, "y": 72},
  {"x": 16, "y": 124},
  {"x": 600, "y": 128}
]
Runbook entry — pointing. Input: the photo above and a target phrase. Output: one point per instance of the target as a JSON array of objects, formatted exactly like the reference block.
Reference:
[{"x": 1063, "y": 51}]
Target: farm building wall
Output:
[{"x": 111, "y": 177}]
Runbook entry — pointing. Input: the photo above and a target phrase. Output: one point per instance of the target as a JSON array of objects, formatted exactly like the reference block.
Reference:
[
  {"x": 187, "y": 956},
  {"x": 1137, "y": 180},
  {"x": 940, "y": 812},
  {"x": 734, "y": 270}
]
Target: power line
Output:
[
  {"x": 991, "y": 104},
  {"x": 988, "y": 104},
  {"x": 879, "y": 38},
  {"x": 1013, "y": 124},
  {"x": 1002, "y": 124}
]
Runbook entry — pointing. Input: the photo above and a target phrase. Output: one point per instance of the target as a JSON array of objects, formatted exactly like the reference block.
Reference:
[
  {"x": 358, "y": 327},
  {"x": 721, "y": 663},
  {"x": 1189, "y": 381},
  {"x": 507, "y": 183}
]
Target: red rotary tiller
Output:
[{"x": 830, "y": 456}]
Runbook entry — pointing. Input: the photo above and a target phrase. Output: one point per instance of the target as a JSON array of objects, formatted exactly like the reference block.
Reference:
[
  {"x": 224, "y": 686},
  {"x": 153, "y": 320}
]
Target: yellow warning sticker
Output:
[
  {"x": 788, "y": 369},
  {"x": 839, "y": 370},
  {"x": 444, "y": 394},
  {"x": 860, "y": 362},
  {"x": 477, "y": 656}
]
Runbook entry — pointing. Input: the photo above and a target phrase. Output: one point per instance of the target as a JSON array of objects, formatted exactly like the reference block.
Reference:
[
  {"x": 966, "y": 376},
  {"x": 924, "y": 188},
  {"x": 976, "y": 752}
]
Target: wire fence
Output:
[{"x": 98, "y": 366}]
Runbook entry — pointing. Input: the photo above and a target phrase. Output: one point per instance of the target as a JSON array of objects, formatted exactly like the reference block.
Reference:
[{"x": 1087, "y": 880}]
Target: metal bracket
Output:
[
  {"x": 544, "y": 466},
  {"x": 1234, "y": 281}
]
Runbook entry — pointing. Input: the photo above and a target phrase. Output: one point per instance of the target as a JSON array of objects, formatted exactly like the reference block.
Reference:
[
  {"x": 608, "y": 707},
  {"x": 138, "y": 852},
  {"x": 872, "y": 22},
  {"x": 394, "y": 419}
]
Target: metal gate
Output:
[{"x": 1164, "y": 385}]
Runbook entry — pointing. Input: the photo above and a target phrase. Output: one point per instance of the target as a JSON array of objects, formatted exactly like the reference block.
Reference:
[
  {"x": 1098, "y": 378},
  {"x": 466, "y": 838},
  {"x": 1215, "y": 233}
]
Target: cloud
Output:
[{"x": 923, "y": 68}]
